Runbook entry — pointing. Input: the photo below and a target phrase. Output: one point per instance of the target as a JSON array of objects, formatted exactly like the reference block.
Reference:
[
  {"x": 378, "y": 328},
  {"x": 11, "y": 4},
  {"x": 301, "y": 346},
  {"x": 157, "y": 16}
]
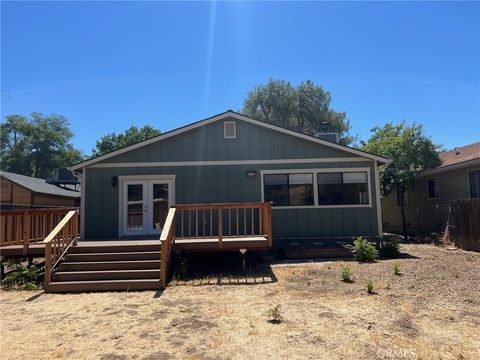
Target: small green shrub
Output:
[
  {"x": 346, "y": 273},
  {"x": 370, "y": 287},
  {"x": 363, "y": 250},
  {"x": 389, "y": 247},
  {"x": 275, "y": 314},
  {"x": 22, "y": 278},
  {"x": 396, "y": 269}
]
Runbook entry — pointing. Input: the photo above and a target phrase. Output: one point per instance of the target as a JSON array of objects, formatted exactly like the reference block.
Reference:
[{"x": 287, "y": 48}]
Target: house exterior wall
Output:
[
  {"x": 213, "y": 183},
  {"x": 425, "y": 215}
]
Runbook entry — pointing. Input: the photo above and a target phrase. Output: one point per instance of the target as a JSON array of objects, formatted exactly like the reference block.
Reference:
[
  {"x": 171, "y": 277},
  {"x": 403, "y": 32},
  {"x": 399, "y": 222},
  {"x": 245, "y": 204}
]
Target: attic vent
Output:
[{"x": 229, "y": 130}]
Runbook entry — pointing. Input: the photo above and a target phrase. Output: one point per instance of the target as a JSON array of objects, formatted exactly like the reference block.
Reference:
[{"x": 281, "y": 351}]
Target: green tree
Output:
[
  {"x": 113, "y": 141},
  {"x": 410, "y": 152},
  {"x": 35, "y": 146},
  {"x": 305, "y": 108}
]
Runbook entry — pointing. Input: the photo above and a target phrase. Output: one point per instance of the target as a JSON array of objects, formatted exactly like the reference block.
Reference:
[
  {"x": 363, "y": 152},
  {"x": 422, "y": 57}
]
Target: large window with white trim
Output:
[
  {"x": 342, "y": 188},
  {"x": 317, "y": 187}
]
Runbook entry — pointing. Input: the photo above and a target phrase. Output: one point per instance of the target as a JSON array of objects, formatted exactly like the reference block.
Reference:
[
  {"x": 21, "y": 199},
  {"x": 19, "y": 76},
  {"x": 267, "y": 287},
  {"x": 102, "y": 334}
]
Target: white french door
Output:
[{"x": 145, "y": 205}]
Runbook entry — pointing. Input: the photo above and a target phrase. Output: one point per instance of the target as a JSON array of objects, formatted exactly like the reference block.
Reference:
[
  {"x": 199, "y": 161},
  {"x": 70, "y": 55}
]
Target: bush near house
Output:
[{"x": 363, "y": 250}]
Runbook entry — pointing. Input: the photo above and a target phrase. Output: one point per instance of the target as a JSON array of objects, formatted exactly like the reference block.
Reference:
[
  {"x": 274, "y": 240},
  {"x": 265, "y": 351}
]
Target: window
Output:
[
  {"x": 342, "y": 188},
  {"x": 229, "y": 130},
  {"x": 474, "y": 177},
  {"x": 289, "y": 189},
  {"x": 402, "y": 199},
  {"x": 433, "y": 188}
]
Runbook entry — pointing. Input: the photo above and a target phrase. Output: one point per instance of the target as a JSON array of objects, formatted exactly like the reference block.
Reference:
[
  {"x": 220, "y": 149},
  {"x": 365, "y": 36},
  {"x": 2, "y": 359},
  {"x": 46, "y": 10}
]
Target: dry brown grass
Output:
[{"x": 432, "y": 311}]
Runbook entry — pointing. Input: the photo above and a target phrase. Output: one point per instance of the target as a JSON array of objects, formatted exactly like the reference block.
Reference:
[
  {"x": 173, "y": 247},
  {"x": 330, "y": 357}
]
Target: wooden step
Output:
[
  {"x": 114, "y": 248},
  {"x": 67, "y": 276},
  {"x": 116, "y": 256},
  {"x": 104, "y": 285},
  {"x": 109, "y": 265}
]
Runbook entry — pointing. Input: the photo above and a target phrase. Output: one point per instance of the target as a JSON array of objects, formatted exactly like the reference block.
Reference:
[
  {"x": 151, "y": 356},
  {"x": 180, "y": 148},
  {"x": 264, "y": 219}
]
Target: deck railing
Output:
[
  {"x": 59, "y": 241},
  {"x": 26, "y": 227},
  {"x": 167, "y": 238},
  {"x": 224, "y": 221}
]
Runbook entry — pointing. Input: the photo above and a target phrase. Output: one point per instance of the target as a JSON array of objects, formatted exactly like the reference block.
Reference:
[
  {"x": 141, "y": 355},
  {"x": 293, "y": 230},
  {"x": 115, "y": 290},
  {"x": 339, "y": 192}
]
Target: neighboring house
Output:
[
  {"x": 319, "y": 189},
  {"x": 427, "y": 206},
  {"x": 20, "y": 191}
]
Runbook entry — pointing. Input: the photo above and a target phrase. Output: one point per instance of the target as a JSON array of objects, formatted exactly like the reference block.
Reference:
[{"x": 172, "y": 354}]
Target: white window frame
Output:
[
  {"x": 428, "y": 194},
  {"x": 225, "y": 123},
  {"x": 315, "y": 186}
]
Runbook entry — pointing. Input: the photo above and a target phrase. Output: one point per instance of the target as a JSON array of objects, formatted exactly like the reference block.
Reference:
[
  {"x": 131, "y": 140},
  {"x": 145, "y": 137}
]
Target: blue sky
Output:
[{"x": 107, "y": 66}]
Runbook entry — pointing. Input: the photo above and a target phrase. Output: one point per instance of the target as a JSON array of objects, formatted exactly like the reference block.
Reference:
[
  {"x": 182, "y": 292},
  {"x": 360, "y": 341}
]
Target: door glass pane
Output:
[
  {"x": 160, "y": 205},
  {"x": 135, "y": 192},
  {"x": 135, "y": 216},
  {"x": 135, "y": 207}
]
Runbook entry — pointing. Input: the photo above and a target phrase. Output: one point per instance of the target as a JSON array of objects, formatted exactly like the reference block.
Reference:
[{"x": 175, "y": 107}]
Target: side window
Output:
[
  {"x": 474, "y": 178},
  {"x": 433, "y": 188},
  {"x": 402, "y": 199}
]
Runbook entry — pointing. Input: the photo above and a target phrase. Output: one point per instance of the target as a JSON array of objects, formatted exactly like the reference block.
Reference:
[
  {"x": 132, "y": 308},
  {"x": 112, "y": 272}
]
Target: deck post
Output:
[
  {"x": 220, "y": 226},
  {"x": 48, "y": 264},
  {"x": 269, "y": 224},
  {"x": 26, "y": 231}
]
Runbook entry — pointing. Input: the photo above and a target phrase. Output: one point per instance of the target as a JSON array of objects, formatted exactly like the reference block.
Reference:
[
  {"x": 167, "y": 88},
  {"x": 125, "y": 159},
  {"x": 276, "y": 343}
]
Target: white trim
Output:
[
  {"x": 170, "y": 179},
  {"x": 229, "y": 162},
  {"x": 220, "y": 117},
  {"x": 83, "y": 185},
  {"x": 225, "y": 123},
  {"x": 146, "y": 177},
  {"x": 315, "y": 186},
  {"x": 428, "y": 194},
  {"x": 378, "y": 200}
]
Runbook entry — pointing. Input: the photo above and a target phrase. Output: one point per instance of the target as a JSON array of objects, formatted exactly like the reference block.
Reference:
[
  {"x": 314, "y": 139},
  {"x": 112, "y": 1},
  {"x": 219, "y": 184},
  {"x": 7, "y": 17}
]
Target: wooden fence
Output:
[
  {"x": 465, "y": 223},
  {"x": 26, "y": 227}
]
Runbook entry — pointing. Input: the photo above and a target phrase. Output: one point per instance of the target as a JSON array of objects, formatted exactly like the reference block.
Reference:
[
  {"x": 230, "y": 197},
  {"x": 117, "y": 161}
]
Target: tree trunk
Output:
[{"x": 404, "y": 222}]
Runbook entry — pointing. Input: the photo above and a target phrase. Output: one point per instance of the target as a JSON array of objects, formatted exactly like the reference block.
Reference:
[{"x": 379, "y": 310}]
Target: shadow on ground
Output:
[{"x": 220, "y": 269}]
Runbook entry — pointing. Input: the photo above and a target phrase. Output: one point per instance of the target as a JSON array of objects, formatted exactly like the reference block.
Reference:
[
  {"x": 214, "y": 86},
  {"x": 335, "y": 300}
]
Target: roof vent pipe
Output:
[{"x": 457, "y": 151}]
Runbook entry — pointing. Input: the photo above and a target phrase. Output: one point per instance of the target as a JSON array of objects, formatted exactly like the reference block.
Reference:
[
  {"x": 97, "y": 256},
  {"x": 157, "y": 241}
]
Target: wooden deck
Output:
[{"x": 72, "y": 264}]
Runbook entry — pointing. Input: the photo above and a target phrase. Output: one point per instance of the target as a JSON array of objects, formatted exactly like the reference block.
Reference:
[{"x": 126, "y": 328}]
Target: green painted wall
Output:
[
  {"x": 207, "y": 143},
  {"x": 204, "y": 184},
  {"x": 228, "y": 183}
]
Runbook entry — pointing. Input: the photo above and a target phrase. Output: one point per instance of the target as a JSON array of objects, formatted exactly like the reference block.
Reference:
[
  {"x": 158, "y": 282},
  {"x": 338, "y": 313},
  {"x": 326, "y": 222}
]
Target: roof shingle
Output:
[
  {"x": 461, "y": 154},
  {"x": 38, "y": 185}
]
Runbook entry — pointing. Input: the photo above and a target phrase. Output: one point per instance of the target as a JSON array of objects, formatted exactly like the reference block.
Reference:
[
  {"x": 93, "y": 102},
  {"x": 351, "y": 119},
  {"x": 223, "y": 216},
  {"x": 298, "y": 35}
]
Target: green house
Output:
[{"x": 318, "y": 189}]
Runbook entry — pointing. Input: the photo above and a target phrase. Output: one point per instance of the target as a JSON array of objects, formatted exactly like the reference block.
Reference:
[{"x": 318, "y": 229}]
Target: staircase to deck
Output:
[{"x": 109, "y": 265}]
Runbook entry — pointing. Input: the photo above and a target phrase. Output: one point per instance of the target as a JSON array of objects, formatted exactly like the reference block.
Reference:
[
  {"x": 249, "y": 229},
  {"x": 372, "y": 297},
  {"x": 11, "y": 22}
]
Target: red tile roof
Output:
[{"x": 461, "y": 154}]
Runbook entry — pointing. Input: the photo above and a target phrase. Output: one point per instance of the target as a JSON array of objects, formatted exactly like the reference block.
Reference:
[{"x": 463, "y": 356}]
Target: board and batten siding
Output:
[
  {"x": 216, "y": 184},
  {"x": 200, "y": 183}
]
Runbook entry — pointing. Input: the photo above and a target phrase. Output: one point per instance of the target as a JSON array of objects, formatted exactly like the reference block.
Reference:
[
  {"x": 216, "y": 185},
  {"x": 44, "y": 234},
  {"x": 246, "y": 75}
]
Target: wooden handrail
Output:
[
  {"x": 28, "y": 226},
  {"x": 59, "y": 241},
  {"x": 167, "y": 237}
]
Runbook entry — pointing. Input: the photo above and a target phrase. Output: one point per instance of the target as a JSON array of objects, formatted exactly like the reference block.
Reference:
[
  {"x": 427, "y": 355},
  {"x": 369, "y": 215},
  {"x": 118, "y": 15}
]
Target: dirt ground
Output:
[{"x": 431, "y": 311}]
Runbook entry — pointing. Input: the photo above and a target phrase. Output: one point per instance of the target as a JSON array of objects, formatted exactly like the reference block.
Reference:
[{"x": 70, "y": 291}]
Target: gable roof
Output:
[
  {"x": 461, "y": 154},
  {"x": 219, "y": 117},
  {"x": 38, "y": 185}
]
